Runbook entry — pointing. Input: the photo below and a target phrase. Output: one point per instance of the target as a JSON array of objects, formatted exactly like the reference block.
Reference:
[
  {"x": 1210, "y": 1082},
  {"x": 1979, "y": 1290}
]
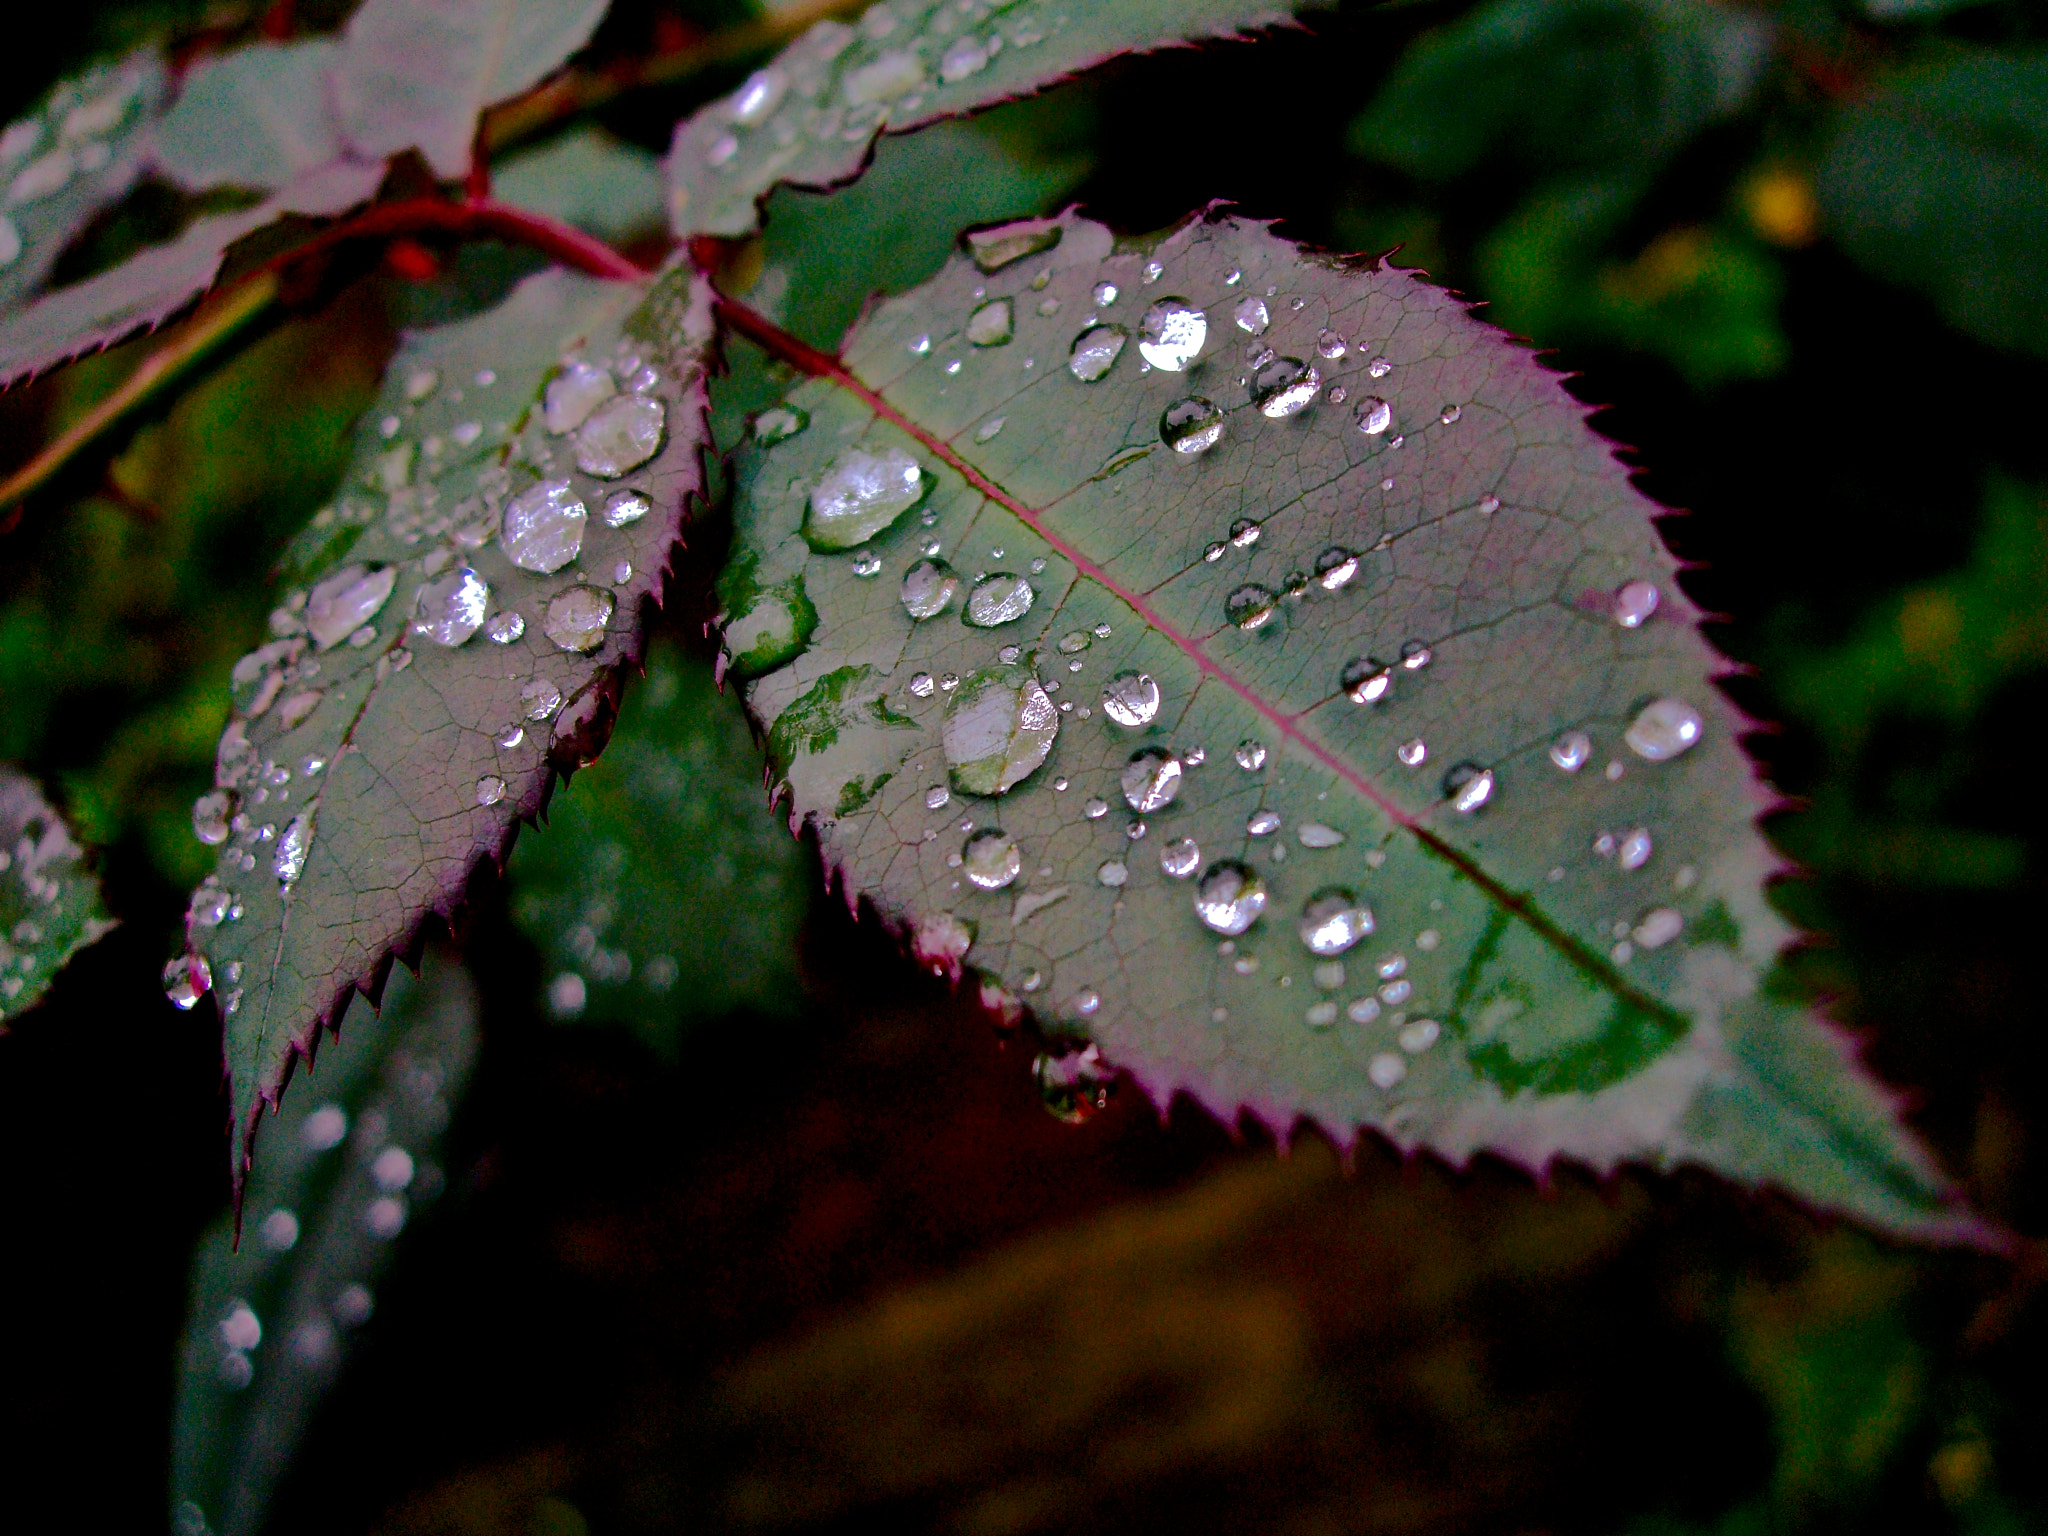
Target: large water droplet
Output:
[
  {"x": 576, "y": 619},
  {"x": 928, "y": 589},
  {"x": 999, "y": 598},
  {"x": 861, "y": 494},
  {"x": 999, "y": 728},
  {"x": 1131, "y": 698},
  {"x": 1250, "y": 606},
  {"x": 1251, "y": 317},
  {"x": 543, "y": 528},
  {"x": 1284, "y": 386},
  {"x": 1571, "y": 750},
  {"x": 1229, "y": 897},
  {"x": 993, "y": 324},
  {"x": 991, "y": 858},
  {"x": 1180, "y": 858},
  {"x": 1095, "y": 352},
  {"x": 1374, "y": 415},
  {"x": 449, "y": 609},
  {"x": 1634, "y": 603},
  {"x": 621, "y": 435},
  {"x": 1333, "y": 920},
  {"x": 1365, "y": 680},
  {"x": 1664, "y": 729},
  {"x": 1191, "y": 425},
  {"x": 1468, "y": 786},
  {"x": 573, "y": 394},
  {"x": 187, "y": 978},
  {"x": 351, "y": 597},
  {"x": 1171, "y": 334},
  {"x": 1151, "y": 780}
]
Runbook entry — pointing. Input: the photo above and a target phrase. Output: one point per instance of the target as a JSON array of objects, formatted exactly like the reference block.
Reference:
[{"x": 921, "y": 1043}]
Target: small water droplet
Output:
[
  {"x": 921, "y": 685},
  {"x": 576, "y": 618},
  {"x": 1450, "y": 413},
  {"x": 349, "y": 598},
  {"x": 541, "y": 699},
  {"x": 920, "y": 345},
  {"x": 1335, "y": 568},
  {"x": 1412, "y": 753},
  {"x": 187, "y": 978},
  {"x": 1131, "y": 699},
  {"x": 543, "y": 529},
  {"x": 623, "y": 508},
  {"x": 1171, "y": 334},
  {"x": 1153, "y": 272},
  {"x": 1284, "y": 386},
  {"x": 1095, "y": 808},
  {"x": 867, "y": 563},
  {"x": 1330, "y": 344},
  {"x": 1250, "y": 606},
  {"x": 573, "y": 394},
  {"x": 449, "y": 609},
  {"x": 621, "y": 435},
  {"x": 937, "y": 798},
  {"x": 1658, "y": 928},
  {"x": 1332, "y": 921},
  {"x": 1663, "y": 730},
  {"x": 511, "y": 736},
  {"x": 1374, "y": 415},
  {"x": 1229, "y": 897},
  {"x": 1180, "y": 858},
  {"x": 1151, "y": 780},
  {"x": 1634, "y": 603},
  {"x": 1262, "y": 823},
  {"x": 988, "y": 429},
  {"x": 1251, "y": 316},
  {"x": 1113, "y": 873},
  {"x": 948, "y": 681},
  {"x": 505, "y": 626},
  {"x": 991, "y": 858},
  {"x": 993, "y": 324},
  {"x": 1571, "y": 750},
  {"x": 1250, "y": 755},
  {"x": 1191, "y": 425},
  {"x": 490, "y": 789},
  {"x": 210, "y": 813},
  {"x": 1468, "y": 786},
  {"x": 1365, "y": 680},
  {"x": 1379, "y": 367},
  {"x": 778, "y": 424},
  {"x": 999, "y": 598},
  {"x": 1095, "y": 352},
  {"x": 928, "y": 589},
  {"x": 1073, "y": 643},
  {"x": 1634, "y": 850},
  {"x": 1489, "y": 504}
]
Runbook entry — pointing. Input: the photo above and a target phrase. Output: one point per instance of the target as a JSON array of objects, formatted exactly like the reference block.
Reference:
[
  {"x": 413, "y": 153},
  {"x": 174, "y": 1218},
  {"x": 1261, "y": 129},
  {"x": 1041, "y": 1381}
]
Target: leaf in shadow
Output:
[{"x": 49, "y": 901}]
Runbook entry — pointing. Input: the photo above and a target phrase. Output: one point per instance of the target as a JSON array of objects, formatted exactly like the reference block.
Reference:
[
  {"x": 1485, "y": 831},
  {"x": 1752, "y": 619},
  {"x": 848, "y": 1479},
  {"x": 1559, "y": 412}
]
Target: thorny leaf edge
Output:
[
  {"x": 1958, "y": 1227},
  {"x": 577, "y": 751}
]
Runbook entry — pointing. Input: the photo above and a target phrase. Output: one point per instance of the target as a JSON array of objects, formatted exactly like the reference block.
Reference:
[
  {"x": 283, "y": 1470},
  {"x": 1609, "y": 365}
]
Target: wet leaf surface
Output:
[
  {"x": 459, "y": 615},
  {"x": 352, "y": 1158},
  {"x": 49, "y": 900},
  {"x": 811, "y": 117},
  {"x": 1351, "y": 758},
  {"x": 257, "y": 117}
]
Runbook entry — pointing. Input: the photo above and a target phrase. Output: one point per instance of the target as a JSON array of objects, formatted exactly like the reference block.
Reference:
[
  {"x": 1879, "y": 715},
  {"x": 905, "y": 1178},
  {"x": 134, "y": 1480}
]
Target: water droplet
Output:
[
  {"x": 576, "y": 618},
  {"x": 511, "y": 736},
  {"x": 573, "y": 394},
  {"x": 1419, "y": 1036},
  {"x": 505, "y": 627},
  {"x": 1450, "y": 413},
  {"x": 1180, "y": 858},
  {"x": 1330, "y": 344},
  {"x": 623, "y": 508},
  {"x": 1073, "y": 1088},
  {"x": 1131, "y": 699},
  {"x": 352, "y": 596},
  {"x": 1244, "y": 533},
  {"x": 1151, "y": 780},
  {"x": 1468, "y": 786},
  {"x": 1153, "y": 272},
  {"x": 1171, "y": 334},
  {"x": 1250, "y": 755},
  {"x": 988, "y": 429},
  {"x": 210, "y": 904},
  {"x": 965, "y": 57},
  {"x": 920, "y": 344},
  {"x": 1262, "y": 823},
  {"x": 490, "y": 789},
  {"x": 999, "y": 598},
  {"x": 292, "y": 847},
  {"x": 1316, "y": 834},
  {"x": 860, "y": 495},
  {"x": 1365, "y": 680},
  {"x": 993, "y": 324},
  {"x": 778, "y": 424},
  {"x": 999, "y": 728},
  {"x": 1284, "y": 386},
  {"x": 1330, "y": 975},
  {"x": 541, "y": 699},
  {"x": 1414, "y": 655},
  {"x": 1571, "y": 750},
  {"x": 544, "y": 526},
  {"x": 210, "y": 813},
  {"x": 1251, "y": 317},
  {"x": 1333, "y": 920},
  {"x": 994, "y": 249},
  {"x": 1229, "y": 897},
  {"x": 1664, "y": 729},
  {"x": 1215, "y": 551},
  {"x": 1374, "y": 415},
  {"x": 1249, "y": 606},
  {"x": 1395, "y": 993},
  {"x": 449, "y": 609},
  {"x": 758, "y": 97},
  {"x": 948, "y": 681},
  {"x": 1412, "y": 753},
  {"x": 991, "y": 858},
  {"x": 1658, "y": 928},
  {"x": 1113, "y": 873},
  {"x": 621, "y": 435},
  {"x": 1095, "y": 352},
  {"x": 1634, "y": 603},
  {"x": 1191, "y": 425},
  {"x": 928, "y": 589},
  {"x": 1095, "y": 808},
  {"x": 1634, "y": 850},
  {"x": 867, "y": 563},
  {"x": 1335, "y": 567},
  {"x": 1386, "y": 1070}
]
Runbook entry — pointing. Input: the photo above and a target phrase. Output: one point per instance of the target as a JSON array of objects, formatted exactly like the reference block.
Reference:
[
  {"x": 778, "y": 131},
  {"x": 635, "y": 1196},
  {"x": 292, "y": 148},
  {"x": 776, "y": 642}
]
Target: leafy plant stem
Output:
[
  {"x": 808, "y": 359},
  {"x": 218, "y": 324}
]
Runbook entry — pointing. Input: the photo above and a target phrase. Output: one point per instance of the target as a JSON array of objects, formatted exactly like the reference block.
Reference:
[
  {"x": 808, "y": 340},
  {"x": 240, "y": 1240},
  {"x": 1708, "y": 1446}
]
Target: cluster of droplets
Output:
[{"x": 74, "y": 133}]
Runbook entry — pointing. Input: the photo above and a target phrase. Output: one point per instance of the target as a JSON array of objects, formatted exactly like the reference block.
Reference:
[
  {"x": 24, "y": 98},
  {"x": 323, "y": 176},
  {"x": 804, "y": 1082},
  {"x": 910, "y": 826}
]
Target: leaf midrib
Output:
[{"x": 824, "y": 366}]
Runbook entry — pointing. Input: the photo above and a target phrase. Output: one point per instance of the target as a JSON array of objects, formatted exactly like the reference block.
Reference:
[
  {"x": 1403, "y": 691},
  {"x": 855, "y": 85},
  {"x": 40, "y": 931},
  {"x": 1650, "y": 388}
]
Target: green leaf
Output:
[
  {"x": 416, "y": 76},
  {"x": 1564, "y": 83},
  {"x": 589, "y": 179},
  {"x": 1353, "y": 659},
  {"x": 659, "y": 894},
  {"x": 258, "y": 117},
  {"x": 1940, "y": 182},
  {"x": 49, "y": 901},
  {"x": 811, "y": 117},
  {"x": 423, "y": 687},
  {"x": 155, "y": 284},
  {"x": 76, "y": 154},
  {"x": 348, "y": 1161}
]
